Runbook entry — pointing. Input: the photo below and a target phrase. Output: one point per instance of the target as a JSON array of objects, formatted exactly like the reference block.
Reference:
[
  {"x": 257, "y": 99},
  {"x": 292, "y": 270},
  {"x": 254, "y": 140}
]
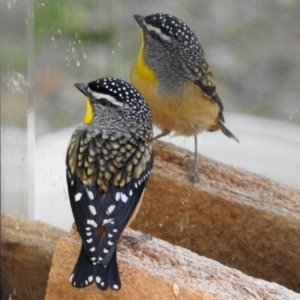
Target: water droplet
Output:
[
  {"x": 53, "y": 38},
  {"x": 78, "y": 63}
]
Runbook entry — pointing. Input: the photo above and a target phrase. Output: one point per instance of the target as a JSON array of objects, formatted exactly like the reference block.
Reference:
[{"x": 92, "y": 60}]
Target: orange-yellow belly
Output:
[{"x": 187, "y": 112}]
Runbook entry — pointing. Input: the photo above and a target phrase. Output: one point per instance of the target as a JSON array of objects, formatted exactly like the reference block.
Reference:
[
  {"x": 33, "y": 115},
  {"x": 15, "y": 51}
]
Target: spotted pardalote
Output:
[
  {"x": 172, "y": 74},
  {"x": 109, "y": 160}
]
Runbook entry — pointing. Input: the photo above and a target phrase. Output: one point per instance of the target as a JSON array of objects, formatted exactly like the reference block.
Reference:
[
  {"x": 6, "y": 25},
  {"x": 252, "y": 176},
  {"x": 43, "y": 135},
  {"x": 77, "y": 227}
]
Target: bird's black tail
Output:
[
  {"x": 85, "y": 273},
  {"x": 227, "y": 132}
]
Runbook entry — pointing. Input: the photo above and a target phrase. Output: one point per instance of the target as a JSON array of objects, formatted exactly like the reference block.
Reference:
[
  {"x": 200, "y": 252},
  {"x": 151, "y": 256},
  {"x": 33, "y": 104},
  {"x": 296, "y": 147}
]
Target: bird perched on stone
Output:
[
  {"x": 109, "y": 160},
  {"x": 172, "y": 74}
]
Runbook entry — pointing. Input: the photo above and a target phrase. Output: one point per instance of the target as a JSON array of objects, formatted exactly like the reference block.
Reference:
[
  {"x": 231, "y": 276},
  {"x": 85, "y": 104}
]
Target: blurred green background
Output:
[{"x": 252, "y": 47}]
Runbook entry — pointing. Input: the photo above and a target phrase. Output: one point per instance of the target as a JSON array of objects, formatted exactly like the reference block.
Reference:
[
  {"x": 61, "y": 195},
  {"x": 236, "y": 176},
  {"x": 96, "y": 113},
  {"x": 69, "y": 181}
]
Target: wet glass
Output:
[{"x": 252, "y": 48}]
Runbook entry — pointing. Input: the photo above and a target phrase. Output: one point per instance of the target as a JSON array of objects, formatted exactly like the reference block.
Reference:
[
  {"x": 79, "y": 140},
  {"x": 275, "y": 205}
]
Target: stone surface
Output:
[
  {"x": 158, "y": 270},
  {"x": 27, "y": 248},
  {"x": 243, "y": 220}
]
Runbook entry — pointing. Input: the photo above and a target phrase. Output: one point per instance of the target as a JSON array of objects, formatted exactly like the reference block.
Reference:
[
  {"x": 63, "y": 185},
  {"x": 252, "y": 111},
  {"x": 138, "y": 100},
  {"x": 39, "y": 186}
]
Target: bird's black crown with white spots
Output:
[
  {"x": 173, "y": 27},
  {"x": 119, "y": 93}
]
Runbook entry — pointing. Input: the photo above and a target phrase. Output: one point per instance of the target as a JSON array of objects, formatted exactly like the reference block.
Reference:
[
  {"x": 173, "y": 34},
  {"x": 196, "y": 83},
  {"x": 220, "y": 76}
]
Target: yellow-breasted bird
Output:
[
  {"x": 109, "y": 160},
  {"x": 172, "y": 74}
]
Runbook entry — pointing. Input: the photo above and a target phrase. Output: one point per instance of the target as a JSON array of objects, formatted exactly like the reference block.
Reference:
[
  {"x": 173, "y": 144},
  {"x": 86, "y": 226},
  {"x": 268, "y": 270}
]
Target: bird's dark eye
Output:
[
  {"x": 104, "y": 102},
  {"x": 153, "y": 34}
]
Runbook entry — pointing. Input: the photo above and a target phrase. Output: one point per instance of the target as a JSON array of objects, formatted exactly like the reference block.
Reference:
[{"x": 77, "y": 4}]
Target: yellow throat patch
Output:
[
  {"x": 141, "y": 69},
  {"x": 89, "y": 111}
]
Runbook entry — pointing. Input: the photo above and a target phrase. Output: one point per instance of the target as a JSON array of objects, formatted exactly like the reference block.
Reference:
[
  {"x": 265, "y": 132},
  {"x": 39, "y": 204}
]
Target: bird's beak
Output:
[
  {"x": 82, "y": 87},
  {"x": 140, "y": 20}
]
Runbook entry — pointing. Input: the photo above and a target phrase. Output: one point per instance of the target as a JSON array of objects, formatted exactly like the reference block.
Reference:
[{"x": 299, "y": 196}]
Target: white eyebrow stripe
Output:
[
  {"x": 158, "y": 31},
  {"x": 109, "y": 98}
]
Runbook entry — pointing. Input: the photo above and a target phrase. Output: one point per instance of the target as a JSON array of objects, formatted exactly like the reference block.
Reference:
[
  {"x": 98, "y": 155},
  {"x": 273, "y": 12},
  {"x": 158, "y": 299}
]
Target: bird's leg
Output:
[
  {"x": 193, "y": 165},
  {"x": 128, "y": 239},
  {"x": 163, "y": 133}
]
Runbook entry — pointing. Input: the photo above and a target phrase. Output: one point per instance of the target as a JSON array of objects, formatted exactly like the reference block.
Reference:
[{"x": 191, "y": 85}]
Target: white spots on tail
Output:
[
  {"x": 115, "y": 230},
  {"x": 110, "y": 209},
  {"x": 90, "y": 278},
  {"x": 92, "y": 222},
  {"x": 86, "y": 282},
  {"x": 90, "y": 194},
  {"x": 110, "y": 235},
  {"x": 88, "y": 233},
  {"x": 100, "y": 258},
  {"x": 105, "y": 221},
  {"x": 98, "y": 279},
  {"x": 115, "y": 286},
  {"x": 93, "y": 258},
  {"x": 130, "y": 193},
  {"x": 124, "y": 198},
  {"x": 89, "y": 240},
  {"x": 105, "y": 250},
  {"x": 110, "y": 243},
  {"x": 92, "y": 249},
  {"x": 92, "y": 209},
  {"x": 87, "y": 228},
  {"x": 78, "y": 196},
  {"x": 71, "y": 277},
  {"x": 118, "y": 196}
]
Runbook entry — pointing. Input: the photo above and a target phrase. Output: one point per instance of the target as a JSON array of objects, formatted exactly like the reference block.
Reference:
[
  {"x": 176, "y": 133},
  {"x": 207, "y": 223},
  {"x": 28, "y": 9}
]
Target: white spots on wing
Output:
[
  {"x": 105, "y": 250},
  {"x": 136, "y": 185},
  {"x": 105, "y": 221},
  {"x": 130, "y": 193},
  {"x": 110, "y": 243},
  {"x": 88, "y": 233},
  {"x": 86, "y": 282},
  {"x": 89, "y": 240},
  {"x": 90, "y": 278},
  {"x": 115, "y": 286},
  {"x": 78, "y": 196},
  {"x": 118, "y": 196},
  {"x": 71, "y": 277},
  {"x": 110, "y": 235},
  {"x": 90, "y": 194},
  {"x": 100, "y": 258},
  {"x": 98, "y": 279},
  {"x": 72, "y": 182},
  {"x": 93, "y": 258},
  {"x": 115, "y": 230},
  {"x": 92, "y": 222},
  {"x": 92, "y": 249},
  {"x": 87, "y": 228},
  {"x": 102, "y": 283},
  {"x": 124, "y": 198},
  {"x": 110, "y": 209},
  {"x": 92, "y": 209}
]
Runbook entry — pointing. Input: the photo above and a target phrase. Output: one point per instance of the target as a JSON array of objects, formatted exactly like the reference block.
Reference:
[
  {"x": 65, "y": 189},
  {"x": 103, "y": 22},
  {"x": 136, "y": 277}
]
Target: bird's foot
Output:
[
  {"x": 193, "y": 170},
  {"x": 128, "y": 240}
]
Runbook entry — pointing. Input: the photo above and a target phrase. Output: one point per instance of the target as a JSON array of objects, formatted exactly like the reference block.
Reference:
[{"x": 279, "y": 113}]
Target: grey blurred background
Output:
[{"x": 252, "y": 46}]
